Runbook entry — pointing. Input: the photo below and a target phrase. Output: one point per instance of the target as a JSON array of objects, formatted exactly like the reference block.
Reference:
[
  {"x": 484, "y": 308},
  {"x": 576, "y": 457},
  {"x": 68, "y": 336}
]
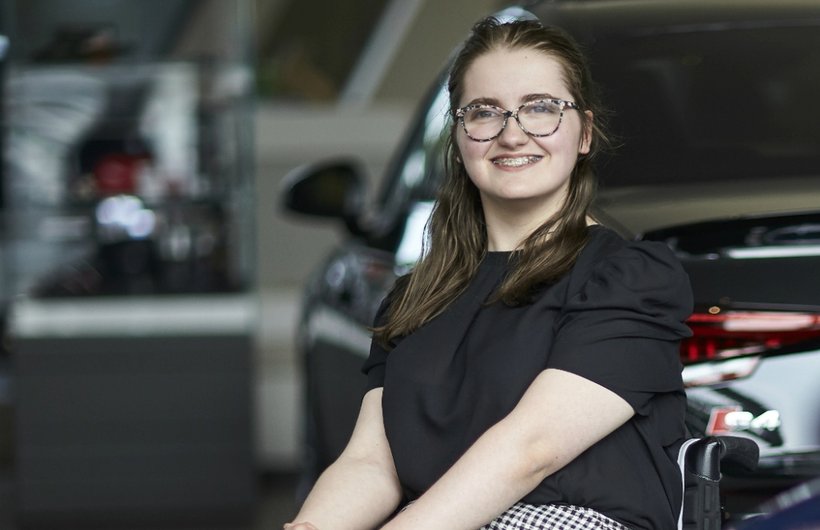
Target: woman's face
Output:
[{"x": 515, "y": 169}]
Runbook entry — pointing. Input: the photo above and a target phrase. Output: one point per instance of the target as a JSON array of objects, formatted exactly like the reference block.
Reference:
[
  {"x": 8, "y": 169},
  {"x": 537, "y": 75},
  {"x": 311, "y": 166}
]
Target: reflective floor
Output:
[
  {"x": 274, "y": 507},
  {"x": 275, "y": 500}
]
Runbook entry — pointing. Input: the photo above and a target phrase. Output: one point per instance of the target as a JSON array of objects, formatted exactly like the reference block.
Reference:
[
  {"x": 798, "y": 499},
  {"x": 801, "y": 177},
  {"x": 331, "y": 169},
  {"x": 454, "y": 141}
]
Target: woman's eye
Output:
[
  {"x": 542, "y": 107},
  {"x": 485, "y": 114}
]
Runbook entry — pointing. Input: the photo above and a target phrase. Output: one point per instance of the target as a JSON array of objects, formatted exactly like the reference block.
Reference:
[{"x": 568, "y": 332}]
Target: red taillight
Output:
[{"x": 720, "y": 335}]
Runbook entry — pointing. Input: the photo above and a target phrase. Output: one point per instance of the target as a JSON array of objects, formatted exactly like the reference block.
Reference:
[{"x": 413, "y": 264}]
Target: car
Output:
[
  {"x": 714, "y": 109},
  {"x": 794, "y": 509}
]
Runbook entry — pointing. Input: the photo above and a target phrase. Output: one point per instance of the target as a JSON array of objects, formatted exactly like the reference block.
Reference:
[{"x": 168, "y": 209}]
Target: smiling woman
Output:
[
  {"x": 527, "y": 368},
  {"x": 523, "y": 176},
  {"x": 717, "y": 159}
]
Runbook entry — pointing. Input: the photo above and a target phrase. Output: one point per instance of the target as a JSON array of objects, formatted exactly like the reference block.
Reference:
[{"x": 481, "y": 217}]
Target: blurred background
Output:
[{"x": 149, "y": 283}]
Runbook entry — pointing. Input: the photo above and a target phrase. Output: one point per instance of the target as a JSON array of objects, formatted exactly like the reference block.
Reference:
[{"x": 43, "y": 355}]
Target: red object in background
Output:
[
  {"x": 717, "y": 420},
  {"x": 117, "y": 173},
  {"x": 739, "y": 333}
]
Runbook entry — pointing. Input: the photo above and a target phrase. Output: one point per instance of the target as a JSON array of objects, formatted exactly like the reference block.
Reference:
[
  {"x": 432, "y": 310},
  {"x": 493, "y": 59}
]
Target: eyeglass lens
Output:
[{"x": 538, "y": 118}]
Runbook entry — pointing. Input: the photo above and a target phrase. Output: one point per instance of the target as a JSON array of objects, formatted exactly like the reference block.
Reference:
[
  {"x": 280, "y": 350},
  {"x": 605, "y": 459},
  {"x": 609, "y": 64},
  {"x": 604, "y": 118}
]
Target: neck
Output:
[
  {"x": 508, "y": 225},
  {"x": 507, "y": 233}
]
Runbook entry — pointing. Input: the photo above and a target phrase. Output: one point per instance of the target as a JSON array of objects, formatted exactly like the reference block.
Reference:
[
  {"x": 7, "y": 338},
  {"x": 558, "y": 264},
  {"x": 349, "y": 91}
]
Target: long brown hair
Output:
[{"x": 458, "y": 235}]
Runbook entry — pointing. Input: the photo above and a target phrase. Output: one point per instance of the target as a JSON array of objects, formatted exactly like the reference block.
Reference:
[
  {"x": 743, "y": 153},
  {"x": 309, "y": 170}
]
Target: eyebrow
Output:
[
  {"x": 534, "y": 97},
  {"x": 484, "y": 101},
  {"x": 495, "y": 102}
]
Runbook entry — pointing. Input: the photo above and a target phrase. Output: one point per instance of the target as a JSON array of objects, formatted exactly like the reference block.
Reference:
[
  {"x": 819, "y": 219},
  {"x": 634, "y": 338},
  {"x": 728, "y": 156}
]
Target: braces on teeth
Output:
[{"x": 515, "y": 162}]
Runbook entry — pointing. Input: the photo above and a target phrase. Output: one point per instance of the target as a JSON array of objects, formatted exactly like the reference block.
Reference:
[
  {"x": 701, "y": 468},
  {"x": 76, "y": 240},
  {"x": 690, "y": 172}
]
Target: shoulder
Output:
[
  {"x": 611, "y": 267},
  {"x": 607, "y": 250},
  {"x": 605, "y": 243}
]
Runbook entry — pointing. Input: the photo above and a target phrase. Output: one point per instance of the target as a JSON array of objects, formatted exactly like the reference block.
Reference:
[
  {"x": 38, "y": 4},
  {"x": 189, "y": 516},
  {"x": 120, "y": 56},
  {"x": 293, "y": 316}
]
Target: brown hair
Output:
[{"x": 458, "y": 236}]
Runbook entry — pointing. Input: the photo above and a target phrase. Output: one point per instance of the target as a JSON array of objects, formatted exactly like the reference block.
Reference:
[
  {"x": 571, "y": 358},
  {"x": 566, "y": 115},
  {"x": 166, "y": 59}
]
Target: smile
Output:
[{"x": 516, "y": 161}]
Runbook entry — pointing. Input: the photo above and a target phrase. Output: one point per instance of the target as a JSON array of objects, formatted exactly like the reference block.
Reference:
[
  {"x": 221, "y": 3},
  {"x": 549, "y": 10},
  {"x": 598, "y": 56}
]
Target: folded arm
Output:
[{"x": 560, "y": 416}]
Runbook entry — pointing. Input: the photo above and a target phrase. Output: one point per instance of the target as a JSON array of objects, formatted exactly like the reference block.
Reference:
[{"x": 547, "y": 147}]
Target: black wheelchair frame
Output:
[{"x": 700, "y": 461}]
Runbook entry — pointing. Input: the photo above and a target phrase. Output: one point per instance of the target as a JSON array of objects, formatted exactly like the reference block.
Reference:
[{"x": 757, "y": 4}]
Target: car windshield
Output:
[{"x": 417, "y": 170}]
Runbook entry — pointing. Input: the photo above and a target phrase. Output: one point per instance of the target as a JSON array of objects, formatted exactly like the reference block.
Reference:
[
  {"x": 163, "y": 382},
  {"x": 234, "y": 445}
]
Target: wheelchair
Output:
[{"x": 700, "y": 462}]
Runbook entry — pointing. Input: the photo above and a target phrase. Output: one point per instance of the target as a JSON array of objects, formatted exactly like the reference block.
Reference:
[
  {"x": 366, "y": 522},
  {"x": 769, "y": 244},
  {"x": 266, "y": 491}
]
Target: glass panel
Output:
[{"x": 126, "y": 172}]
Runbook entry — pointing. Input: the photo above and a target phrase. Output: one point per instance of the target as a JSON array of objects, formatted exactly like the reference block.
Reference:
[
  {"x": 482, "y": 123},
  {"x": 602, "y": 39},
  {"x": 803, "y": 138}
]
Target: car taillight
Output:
[{"x": 734, "y": 340}]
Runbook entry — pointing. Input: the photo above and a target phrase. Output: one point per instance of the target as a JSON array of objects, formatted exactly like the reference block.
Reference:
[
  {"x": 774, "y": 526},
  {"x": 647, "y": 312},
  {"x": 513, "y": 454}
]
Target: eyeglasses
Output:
[{"x": 540, "y": 118}]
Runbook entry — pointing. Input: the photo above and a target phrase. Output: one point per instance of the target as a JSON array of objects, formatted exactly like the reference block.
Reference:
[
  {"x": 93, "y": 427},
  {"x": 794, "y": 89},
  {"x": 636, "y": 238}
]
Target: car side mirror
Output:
[{"x": 331, "y": 189}]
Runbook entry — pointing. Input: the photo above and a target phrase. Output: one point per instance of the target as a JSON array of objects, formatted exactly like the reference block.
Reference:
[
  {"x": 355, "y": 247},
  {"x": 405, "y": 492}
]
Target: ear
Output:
[{"x": 586, "y": 133}]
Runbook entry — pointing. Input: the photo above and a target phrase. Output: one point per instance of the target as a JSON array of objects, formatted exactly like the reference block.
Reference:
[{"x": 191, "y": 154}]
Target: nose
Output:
[{"x": 513, "y": 135}]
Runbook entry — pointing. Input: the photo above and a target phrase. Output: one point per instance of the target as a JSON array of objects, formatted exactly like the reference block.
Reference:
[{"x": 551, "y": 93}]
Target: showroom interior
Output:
[
  {"x": 194, "y": 110},
  {"x": 204, "y": 202}
]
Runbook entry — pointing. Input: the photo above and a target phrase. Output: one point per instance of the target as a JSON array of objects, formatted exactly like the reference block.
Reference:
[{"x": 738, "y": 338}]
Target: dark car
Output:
[{"x": 716, "y": 114}]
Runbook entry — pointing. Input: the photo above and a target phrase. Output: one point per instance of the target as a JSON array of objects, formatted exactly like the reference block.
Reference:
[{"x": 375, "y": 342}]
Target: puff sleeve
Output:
[
  {"x": 374, "y": 367},
  {"x": 621, "y": 326}
]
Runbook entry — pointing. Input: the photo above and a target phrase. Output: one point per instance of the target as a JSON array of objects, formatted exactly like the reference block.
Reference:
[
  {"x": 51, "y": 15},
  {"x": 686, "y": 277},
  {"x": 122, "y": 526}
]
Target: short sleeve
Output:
[
  {"x": 622, "y": 327},
  {"x": 374, "y": 367}
]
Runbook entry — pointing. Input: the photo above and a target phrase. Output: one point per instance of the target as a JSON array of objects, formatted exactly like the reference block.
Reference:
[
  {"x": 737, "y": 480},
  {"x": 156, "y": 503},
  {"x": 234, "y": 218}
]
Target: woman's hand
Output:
[{"x": 299, "y": 526}]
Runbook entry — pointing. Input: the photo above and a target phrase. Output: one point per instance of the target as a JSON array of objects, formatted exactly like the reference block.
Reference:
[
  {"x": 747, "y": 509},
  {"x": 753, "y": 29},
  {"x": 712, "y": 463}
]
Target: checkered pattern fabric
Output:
[{"x": 552, "y": 517}]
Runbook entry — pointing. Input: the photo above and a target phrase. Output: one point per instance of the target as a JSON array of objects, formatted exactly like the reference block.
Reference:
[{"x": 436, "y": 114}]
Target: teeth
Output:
[{"x": 516, "y": 162}]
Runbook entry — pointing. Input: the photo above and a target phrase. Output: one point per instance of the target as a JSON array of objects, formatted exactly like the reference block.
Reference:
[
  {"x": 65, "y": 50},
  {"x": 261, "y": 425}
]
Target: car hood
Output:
[{"x": 637, "y": 209}]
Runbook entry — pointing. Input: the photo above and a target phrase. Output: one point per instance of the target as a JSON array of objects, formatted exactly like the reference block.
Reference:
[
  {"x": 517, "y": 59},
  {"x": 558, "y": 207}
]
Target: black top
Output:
[{"x": 616, "y": 319}]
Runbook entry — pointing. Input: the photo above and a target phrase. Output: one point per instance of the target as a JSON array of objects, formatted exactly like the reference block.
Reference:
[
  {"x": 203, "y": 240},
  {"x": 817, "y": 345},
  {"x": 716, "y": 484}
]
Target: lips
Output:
[{"x": 516, "y": 161}]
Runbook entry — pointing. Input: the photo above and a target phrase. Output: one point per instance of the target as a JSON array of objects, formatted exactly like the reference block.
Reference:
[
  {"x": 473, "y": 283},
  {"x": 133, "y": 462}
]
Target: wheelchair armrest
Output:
[
  {"x": 704, "y": 456},
  {"x": 740, "y": 453},
  {"x": 700, "y": 462}
]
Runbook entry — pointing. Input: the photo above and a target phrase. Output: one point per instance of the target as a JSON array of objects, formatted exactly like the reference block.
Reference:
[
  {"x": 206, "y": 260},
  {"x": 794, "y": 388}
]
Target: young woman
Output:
[{"x": 526, "y": 373}]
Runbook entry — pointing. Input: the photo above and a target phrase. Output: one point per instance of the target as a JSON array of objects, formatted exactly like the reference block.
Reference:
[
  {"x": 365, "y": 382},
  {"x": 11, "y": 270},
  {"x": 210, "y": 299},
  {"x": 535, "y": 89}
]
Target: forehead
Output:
[{"x": 510, "y": 75}]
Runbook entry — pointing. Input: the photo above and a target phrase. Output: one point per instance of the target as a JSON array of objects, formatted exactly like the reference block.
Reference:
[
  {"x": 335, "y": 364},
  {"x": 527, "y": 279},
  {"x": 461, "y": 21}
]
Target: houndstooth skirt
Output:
[{"x": 552, "y": 517}]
